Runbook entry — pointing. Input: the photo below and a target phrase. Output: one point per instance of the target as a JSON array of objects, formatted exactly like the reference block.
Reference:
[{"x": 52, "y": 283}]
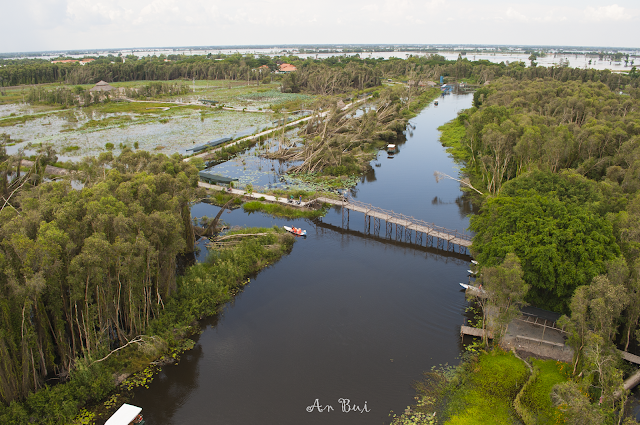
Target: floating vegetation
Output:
[
  {"x": 321, "y": 182},
  {"x": 263, "y": 99},
  {"x": 84, "y": 418},
  {"x": 93, "y": 129},
  {"x": 283, "y": 210}
]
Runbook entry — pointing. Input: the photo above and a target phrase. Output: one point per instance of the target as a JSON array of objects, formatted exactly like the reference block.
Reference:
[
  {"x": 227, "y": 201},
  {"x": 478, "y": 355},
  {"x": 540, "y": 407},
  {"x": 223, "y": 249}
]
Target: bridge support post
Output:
[
  {"x": 345, "y": 218},
  {"x": 404, "y": 230},
  {"x": 388, "y": 229}
]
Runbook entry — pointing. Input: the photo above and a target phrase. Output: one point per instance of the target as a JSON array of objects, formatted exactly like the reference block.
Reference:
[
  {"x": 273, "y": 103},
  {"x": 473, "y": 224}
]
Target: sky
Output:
[{"x": 43, "y": 25}]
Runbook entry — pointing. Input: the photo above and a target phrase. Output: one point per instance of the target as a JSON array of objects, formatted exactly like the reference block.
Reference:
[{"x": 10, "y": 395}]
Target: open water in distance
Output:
[
  {"x": 343, "y": 316},
  {"x": 576, "y": 60}
]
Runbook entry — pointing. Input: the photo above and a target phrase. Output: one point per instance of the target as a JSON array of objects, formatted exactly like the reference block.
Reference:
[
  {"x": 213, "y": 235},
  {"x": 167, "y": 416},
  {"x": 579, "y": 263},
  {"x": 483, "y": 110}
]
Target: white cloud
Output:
[
  {"x": 88, "y": 12},
  {"x": 86, "y": 24},
  {"x": 607, "y": 13},
  {"x": 514, "y": 14},
  {"x": 400, "y": 12}
]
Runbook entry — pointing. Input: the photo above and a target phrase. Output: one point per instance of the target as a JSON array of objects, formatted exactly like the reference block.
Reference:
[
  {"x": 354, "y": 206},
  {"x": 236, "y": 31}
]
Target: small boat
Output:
[
  {"x": 475, "y": 262},
  {"x": 473, "y": 289},
  {"x": 391, "y": 148},
  {"x": 471, "y": 272},
  {"x": 435, "y": 103},
  {"x": 127, "y": 414},
  {"x": 295, "y": 230}
]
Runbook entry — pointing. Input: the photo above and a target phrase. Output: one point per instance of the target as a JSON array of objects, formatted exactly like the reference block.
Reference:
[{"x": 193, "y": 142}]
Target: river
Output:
[{"x": 344, "y": 315}]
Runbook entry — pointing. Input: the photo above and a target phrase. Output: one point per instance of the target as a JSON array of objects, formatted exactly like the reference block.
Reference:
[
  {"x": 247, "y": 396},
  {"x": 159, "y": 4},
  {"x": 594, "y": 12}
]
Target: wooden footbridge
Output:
[{"x": 405, "y": 226}]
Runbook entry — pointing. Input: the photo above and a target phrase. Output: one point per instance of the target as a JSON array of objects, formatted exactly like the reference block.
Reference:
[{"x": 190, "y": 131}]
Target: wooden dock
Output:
[
  {"x": 468, "y": 330},
  {"x": 405, "y": 226},
  {"x": 630, "y": 357}
]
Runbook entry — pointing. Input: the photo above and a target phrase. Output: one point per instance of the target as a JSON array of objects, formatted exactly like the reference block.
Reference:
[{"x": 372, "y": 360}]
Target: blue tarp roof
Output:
[
  {"x": 214, "y": 142},
  {"x": 215, "y": 178}
]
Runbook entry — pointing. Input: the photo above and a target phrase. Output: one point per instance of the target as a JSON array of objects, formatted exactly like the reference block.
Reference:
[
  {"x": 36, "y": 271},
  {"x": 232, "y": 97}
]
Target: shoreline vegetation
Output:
[
  {"x": 124, "y": 232},
  {"x": 88, "y": 286},
  {"x": 489, "y": 387},
  {"x": 283, "y": 210},
  {"x": 558, "y": 164},
  {"x": 342, "y": 142}
]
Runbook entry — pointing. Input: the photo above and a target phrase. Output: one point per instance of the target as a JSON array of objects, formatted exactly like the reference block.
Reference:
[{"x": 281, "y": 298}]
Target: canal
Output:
[{"x": 344, "y": 315}]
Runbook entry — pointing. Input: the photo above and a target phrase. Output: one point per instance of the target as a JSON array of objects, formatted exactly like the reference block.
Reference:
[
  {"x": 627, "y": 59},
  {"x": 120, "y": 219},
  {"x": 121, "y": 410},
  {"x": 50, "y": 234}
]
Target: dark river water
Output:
[{"x": 344, "y": 315}]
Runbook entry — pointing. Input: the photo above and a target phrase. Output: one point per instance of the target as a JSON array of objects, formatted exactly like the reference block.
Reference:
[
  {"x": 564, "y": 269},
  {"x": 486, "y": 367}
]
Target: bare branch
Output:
[
  {"x": 137, "y": 340},
  {"x": 439, "y": 176}
]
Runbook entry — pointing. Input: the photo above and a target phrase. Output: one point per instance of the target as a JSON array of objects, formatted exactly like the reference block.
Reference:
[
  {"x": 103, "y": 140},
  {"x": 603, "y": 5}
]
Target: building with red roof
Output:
[{"x": 285, "y": 68}]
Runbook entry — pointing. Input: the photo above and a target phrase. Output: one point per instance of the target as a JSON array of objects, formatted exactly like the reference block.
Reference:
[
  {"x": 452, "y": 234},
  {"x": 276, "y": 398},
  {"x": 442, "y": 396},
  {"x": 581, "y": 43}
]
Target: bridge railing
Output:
[{"x": 410, "y": 219}]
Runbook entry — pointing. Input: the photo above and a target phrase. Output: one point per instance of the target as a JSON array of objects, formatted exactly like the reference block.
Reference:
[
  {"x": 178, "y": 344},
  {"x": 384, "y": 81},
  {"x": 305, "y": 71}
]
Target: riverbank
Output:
[
  {"x": 326, "y": 321},
  {"x": 549, "y": 201},
  {"x": 489, "y": 387},
  {"x": 339, "y": 144},
  {"x": 98, "y": 384}
]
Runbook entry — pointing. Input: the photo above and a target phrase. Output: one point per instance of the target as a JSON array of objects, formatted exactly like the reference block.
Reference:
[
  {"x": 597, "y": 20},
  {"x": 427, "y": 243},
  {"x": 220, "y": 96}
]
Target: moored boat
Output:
[
  {"x": 295, "y": 230},
  {"x": 478, "y": 291},
  {"x": 391, "y": 148},
  {"x": 127, "y": 414}
]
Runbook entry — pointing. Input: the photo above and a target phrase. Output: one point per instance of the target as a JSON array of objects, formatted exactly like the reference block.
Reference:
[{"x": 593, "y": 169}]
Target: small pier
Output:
[
  {"x": 407, "y": 228},
  {"x": 468, "y": 330}
]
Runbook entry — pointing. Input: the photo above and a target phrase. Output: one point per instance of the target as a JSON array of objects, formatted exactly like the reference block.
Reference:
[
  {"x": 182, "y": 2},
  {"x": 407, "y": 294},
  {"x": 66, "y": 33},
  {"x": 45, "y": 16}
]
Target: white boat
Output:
[
  {"x": 475, "y": 262},
  {"x": 471, "y": 272},
  {"x": 473, "y": 289},
  {"x": 295, "y": 230},
  {"x": 127, "y": 414}
]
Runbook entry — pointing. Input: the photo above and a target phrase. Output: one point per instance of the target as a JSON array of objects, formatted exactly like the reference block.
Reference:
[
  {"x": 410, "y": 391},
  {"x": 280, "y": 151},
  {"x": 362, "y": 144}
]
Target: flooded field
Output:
[
  {"x": 152, "y": 133},
  {"x": 168, "y": 125},
  {"x": 578, "y": 59}
]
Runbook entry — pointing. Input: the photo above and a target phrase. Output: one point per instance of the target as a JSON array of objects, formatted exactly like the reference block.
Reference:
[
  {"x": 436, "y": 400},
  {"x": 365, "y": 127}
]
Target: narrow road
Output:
[{"x": 255, "y": 195}]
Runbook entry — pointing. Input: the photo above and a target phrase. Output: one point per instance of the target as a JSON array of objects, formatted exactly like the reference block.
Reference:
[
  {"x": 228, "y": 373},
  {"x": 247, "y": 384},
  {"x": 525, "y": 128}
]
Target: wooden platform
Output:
[
  {"x": 407, "y": 222},
  {"x": 468, "y": 330},
  {"x": 630, "y": 357}
]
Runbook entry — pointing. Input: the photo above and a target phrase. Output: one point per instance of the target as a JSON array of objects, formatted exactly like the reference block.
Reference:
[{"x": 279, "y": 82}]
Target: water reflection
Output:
[
  {"x": 175, "y": 384},
  {"x": 466, "y": 207},
  {"x": 430, "y": 252},
  {"x": 343, "y": 315}
]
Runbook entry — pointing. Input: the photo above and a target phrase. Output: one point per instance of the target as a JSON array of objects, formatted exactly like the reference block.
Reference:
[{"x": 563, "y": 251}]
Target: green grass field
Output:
[
  {"x": 536, "y": 395},
  {"x": 489, "y": 386}
]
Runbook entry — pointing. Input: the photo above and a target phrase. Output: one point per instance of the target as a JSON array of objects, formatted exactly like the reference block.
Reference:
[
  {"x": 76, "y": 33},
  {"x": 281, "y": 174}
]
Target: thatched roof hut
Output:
[{"x": 102, "y": 86}]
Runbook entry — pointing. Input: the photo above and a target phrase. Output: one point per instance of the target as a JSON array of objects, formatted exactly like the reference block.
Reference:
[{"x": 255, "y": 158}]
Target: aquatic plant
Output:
[{"x": 283, "y": 210}]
